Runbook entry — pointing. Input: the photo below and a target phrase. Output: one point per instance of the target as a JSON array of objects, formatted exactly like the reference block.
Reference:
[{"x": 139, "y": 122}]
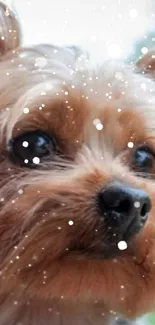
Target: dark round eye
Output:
[
  {"x": 30, "y": 148},
  {"x": 143, "y": 159}
]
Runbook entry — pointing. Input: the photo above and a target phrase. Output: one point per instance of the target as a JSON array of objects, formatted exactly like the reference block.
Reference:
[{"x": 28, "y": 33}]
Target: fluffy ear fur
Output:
[
  {"x": 10, "y": 33},
  {"x": 147, "y": 63}
]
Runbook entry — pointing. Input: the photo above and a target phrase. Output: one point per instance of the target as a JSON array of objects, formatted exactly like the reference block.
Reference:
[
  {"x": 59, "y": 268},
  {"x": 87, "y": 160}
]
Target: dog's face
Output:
[{"x": 77, "y": 171}]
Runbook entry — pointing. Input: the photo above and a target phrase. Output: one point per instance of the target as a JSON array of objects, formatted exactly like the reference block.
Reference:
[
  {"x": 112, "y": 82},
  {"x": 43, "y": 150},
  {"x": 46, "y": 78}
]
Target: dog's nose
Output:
[{"x": 124, "y": 207}]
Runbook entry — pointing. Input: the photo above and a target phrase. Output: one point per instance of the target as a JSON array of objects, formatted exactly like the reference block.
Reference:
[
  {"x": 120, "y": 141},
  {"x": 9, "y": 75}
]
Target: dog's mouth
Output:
[
  {"x": 110, "y": 247},
  {"x": 134, "y": 227}
]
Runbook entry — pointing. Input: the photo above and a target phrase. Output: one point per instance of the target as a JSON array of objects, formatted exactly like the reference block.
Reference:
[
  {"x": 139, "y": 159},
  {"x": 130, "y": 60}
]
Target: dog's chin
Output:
[{"x": 110, "y": 249}]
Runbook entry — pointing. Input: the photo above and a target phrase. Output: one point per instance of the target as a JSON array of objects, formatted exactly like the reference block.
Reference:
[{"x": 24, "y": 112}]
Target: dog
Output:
[{"x": 77, "y": 189}]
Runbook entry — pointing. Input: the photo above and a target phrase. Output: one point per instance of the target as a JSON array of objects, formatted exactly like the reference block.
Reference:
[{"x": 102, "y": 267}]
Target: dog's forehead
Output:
[{"x": 105, "y": 101}]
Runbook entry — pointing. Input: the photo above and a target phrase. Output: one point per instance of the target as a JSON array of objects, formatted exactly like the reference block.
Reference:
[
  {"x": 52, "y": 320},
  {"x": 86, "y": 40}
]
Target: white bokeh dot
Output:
[
  {"x": 98, "y": 124},
  {"x": 25, "y": 144},
  {"x": 130, "y": 144},
  {"x": 137, "y": 204},
  {"x": 144, "y": 50},
  {"x": 26, "y": 110},
  {"x": 26, "y": 161},
  {"x": 122, "y": 245},
  {"x": 20, "y": 191},
  {"x": 36, "y": 160},
  {"x": 70, "y": 222}
]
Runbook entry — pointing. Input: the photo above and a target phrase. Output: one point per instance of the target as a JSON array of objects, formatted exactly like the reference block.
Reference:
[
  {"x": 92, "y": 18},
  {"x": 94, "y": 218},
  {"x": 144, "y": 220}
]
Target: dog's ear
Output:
[
  {"x": 10, "y": 34},
  {"x": 146, "y": 64}
]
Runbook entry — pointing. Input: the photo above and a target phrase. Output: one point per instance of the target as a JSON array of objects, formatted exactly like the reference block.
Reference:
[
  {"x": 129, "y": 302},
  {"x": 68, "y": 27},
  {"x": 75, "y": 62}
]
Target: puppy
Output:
[{"x": 77, "y": 169}]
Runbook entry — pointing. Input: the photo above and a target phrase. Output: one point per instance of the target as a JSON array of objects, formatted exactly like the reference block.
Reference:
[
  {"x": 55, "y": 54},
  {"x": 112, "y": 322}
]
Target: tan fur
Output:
[{"x": 44, "y": 279}]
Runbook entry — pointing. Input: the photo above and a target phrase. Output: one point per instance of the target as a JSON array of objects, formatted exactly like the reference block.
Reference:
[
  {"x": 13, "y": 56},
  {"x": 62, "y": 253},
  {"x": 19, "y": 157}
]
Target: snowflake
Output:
[
  {"x": 143, "y": 86},
  {"x": 36, "y": 160},
  {"x": 25, "y": 144},
  {"x": 15, "y": 302},
  {"x": 144, "y": 50},
  {"x": 122, "y": 245},
  {"x": 70, "y": 223},
  {"x": 137, "y": 204},
  {"x": 130, "y": 144},
  {"x": 26, "y": 110},
  {"x": 98, "y": 124}
]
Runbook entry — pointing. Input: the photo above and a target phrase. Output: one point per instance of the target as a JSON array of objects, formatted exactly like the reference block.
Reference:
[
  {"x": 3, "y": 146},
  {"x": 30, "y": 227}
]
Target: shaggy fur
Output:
[{"x": 53, "y": 273}]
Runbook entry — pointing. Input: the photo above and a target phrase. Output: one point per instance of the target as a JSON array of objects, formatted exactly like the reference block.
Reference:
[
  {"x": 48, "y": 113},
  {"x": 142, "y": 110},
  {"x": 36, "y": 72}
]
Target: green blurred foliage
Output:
[
  {"x": 147, "y": 41},
  {"x": 151, "y": 319}
]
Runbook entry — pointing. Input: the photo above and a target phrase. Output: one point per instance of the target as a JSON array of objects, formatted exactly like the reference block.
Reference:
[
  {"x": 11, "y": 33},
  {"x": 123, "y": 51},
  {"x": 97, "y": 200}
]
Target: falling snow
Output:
[
  {"x": 130, "y": 144},
  {"x": 26, "y": 110},
  {"x": 137, "y": 204},
  {"x": 70, "y": 223},
  {"x": 144, "y": 50},
  {"x": 25, "y": 144},
  {"x": 122, "y": 245},
  {"x": 98, "y": 124},
  {"x": 143, "y": 86},
  {"x": 36, "y": 160}
]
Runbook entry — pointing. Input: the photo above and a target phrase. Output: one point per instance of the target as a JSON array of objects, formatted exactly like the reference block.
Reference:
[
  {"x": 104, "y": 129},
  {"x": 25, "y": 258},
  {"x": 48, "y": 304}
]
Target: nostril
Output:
[
  {"x": 124, "y": 201},
  {"x": 123, "y": 206},
  {"x": 146, "y": 207},
  {"x": 144, "y": 210}
]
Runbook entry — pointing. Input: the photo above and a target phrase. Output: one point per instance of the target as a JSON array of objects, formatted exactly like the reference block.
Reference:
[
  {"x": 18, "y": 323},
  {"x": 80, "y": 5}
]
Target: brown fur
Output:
[{"x": 44, "y": 277}]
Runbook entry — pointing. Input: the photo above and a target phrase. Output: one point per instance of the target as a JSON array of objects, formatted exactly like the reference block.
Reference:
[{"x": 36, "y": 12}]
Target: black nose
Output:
[{"x": 124, "y": 207}]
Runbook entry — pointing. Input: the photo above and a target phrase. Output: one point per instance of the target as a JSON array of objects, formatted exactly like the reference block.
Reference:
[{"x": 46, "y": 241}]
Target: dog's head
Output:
[{"x": 77, "y": 169}]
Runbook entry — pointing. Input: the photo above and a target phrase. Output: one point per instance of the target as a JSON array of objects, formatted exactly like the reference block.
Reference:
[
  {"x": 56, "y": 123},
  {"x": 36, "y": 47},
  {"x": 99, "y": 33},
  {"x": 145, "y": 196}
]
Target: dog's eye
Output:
[
  {"x": 30, "y": 148},
  {"x": 143, "y": 159}
]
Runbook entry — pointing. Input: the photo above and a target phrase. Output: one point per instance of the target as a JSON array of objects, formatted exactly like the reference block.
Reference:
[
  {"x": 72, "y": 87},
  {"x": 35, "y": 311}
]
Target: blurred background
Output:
[
  {"x": 113, "y": 29},
  {"x": 108, "y": 29}
]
